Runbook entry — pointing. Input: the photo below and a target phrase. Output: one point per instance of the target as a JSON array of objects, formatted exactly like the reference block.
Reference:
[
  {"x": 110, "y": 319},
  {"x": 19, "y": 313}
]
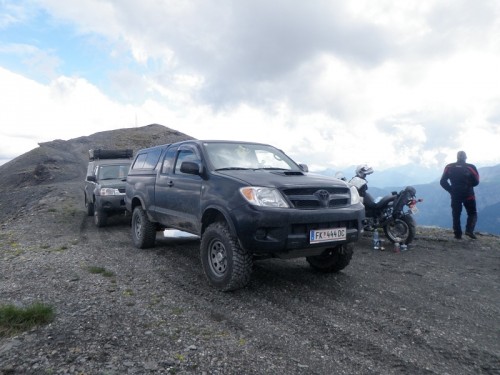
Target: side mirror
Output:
[
  {"x": 191, "y": 167},
  {"x": 340, "y": 176},
  {"x": 91, "y": 178}
]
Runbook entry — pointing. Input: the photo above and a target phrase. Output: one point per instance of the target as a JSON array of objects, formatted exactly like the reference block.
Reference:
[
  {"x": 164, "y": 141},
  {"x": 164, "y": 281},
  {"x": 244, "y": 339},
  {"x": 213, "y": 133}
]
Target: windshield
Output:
[
  {"x": 248, "y": 156},
  {"x": 111, "y": 172}
]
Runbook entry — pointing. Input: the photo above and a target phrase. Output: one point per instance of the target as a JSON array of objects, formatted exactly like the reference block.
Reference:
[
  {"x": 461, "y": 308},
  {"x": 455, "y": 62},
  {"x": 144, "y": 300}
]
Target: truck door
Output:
[
  {"x": 90, "y": 185},
  {"x": 177, "y": 194}
]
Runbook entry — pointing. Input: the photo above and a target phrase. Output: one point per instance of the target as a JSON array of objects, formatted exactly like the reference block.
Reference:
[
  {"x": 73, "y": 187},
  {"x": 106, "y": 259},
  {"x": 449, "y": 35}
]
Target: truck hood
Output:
[{"x": 260, "y": 177}]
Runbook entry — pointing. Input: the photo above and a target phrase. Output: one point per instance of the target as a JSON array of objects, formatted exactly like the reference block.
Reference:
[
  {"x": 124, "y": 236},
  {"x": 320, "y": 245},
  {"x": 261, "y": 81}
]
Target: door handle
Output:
[{"x": 170, "y": 183}]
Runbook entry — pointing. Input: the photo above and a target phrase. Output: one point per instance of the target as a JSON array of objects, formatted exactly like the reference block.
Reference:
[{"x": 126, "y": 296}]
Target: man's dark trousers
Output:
[{"x": 469, "y": 202}]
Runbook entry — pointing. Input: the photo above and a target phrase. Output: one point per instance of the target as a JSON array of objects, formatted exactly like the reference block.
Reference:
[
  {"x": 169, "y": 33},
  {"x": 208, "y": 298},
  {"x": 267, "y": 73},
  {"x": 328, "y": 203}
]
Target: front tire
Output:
[
  {"x": 100, "y": 217},
  {"x": 334, "y": 259},
  {"x": 226, "y": 265},
  {"x": 402, "y": 230},
  {"x": 143, "y": 230}
]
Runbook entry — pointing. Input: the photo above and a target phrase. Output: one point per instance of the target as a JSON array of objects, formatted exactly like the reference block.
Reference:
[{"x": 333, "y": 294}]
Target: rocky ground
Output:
[{"x": 433, "y": 309}]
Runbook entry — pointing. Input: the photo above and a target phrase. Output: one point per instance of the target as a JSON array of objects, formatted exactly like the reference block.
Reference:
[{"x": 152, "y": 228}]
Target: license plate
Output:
[
  {"x": 414, "y": 210},
  {"x": 327, "y": 235}
]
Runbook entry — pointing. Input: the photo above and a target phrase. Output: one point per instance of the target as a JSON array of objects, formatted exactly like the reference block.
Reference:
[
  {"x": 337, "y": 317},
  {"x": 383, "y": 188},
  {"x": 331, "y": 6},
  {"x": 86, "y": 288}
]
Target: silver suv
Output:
[{"x": 105, "y": 183}]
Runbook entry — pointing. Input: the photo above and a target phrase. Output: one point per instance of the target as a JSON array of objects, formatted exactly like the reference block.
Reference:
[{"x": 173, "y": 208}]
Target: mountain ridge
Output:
[
  {"x": 29, "y": 178},
  {"x": 63, "y": 160}
]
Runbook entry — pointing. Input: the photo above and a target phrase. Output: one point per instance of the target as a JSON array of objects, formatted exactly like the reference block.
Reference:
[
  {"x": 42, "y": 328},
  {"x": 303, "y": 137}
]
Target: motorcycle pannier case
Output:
[{"x": 404, "y": 197}]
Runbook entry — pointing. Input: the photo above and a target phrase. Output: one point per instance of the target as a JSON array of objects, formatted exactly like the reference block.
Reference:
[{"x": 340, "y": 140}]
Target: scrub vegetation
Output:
[{"x": 15, "y": 319}]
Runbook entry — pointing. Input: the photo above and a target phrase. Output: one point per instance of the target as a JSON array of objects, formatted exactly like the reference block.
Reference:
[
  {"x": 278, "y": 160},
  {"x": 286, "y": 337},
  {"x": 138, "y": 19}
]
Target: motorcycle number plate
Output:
[
  {"x": 414, "y": 210},
  {"x": 327, "y": 235}
]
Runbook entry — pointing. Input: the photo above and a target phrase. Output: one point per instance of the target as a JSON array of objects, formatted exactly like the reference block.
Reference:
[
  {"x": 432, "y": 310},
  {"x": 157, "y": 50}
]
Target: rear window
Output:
[{"x": 147, "y": 160}]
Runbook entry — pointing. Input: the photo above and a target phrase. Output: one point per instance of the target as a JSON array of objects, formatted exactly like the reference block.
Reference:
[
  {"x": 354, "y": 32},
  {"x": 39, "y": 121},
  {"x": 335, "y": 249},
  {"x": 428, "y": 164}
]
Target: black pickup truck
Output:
[{"x": 245, "y": 201}]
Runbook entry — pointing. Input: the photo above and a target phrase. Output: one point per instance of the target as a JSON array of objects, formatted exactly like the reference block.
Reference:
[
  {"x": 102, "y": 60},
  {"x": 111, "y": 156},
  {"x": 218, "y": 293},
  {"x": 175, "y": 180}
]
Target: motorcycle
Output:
[{"x": 393, "y": 213}]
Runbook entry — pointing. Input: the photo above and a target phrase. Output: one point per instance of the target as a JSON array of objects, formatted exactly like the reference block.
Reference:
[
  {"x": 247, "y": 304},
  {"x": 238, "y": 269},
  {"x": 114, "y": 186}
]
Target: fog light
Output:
[{"x": 260, "y": 234}]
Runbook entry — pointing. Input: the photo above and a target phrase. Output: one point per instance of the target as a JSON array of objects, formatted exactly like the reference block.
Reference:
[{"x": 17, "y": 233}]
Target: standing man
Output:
[{"x": 459, "y": 180}]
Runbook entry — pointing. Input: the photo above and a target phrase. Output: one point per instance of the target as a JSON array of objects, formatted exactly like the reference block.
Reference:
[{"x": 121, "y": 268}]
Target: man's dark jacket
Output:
[{"x": 459, "y": 179}]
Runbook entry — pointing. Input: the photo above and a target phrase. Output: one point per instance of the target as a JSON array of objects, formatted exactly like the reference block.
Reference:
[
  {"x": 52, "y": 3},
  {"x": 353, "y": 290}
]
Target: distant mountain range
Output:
[
  {"x": 396, "y": 176},
  {"x": 435, "y": 210}
]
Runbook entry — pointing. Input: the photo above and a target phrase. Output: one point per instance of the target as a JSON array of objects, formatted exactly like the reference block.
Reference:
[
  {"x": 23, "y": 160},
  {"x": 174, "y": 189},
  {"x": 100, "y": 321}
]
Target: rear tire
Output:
[
  {"x": 334, "y": 259},
  {"x": 402, "y": 230},
  {"x": 143, "y": 230},
  {"x": 227, "y": 266},
  {"x": 90, "y": 207}
]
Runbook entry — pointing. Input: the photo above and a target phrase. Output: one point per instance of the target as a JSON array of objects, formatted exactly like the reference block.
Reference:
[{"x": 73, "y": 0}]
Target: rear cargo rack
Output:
[{"x": 96, "y": 154}]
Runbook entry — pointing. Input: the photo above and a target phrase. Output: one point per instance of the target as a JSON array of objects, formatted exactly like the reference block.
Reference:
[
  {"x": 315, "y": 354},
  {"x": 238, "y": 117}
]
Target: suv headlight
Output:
[
  {"x": 109, "y": 191},
  {"x": 263, "y": 196},
  {"x": 354, "y": 195}
]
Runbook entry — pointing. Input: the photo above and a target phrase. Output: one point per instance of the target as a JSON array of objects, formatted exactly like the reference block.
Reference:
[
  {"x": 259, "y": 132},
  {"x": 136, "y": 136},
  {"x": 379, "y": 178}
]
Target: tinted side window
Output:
[
  {"x": 168, "y": 160},
  {"x": 139, "y": 161},
  {"x": 152, "y": 159},
  {"x": 184, "y": 155},
  {"x": 147, "y": 160},
  {"x": 90, "y": 169}
]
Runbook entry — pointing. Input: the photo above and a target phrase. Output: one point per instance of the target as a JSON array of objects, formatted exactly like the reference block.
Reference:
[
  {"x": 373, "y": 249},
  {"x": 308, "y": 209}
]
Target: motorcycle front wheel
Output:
[{"x": 402, "y": 230}]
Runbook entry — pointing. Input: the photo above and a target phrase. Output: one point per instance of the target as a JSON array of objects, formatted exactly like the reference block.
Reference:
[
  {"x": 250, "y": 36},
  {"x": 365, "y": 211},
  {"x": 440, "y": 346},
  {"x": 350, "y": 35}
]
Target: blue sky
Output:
[{"x": 333, "y": 83}]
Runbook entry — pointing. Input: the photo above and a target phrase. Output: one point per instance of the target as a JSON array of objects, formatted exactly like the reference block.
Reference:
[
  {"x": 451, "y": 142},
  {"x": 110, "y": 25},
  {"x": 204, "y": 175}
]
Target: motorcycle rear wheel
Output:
[{"x": 402, "y": 229}]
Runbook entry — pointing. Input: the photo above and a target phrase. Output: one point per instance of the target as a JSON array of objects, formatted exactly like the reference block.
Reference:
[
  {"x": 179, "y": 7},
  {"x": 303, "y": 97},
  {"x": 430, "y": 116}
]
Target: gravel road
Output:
[{"x": 434, "y": 309}]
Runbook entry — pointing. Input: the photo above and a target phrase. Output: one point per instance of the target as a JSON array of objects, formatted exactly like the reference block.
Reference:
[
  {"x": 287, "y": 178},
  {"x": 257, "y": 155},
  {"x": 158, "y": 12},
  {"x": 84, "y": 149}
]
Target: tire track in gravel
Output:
[
  {"x": 83, "y": 229},
  {"x": 348, "y": 327}
]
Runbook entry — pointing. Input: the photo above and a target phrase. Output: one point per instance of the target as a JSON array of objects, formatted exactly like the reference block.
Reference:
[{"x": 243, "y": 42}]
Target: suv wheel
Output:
[
  {"x": 226, "y": 265},
  {"x": 100, "y": 217},
  {"x": 143, "y": 231},
  {"x": 332, "y": 260}
]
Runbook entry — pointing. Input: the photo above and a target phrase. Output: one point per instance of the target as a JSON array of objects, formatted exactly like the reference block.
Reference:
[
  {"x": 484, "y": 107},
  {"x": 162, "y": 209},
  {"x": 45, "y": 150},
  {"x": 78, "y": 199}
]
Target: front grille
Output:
[{"x": 318, "y": 197}]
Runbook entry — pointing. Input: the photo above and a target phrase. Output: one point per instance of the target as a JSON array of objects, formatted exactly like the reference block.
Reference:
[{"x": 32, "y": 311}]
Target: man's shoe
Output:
[
  {"x": 471, "y": 235},
  {"x": 457, "y": 237}
]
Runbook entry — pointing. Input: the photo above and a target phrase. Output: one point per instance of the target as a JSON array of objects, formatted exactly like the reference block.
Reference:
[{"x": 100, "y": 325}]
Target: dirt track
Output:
[{"x": 433, "y": 309}]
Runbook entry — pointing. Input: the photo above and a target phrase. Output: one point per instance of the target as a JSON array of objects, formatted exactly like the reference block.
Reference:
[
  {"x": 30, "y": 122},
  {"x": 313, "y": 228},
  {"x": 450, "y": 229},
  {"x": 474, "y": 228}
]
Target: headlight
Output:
[
  {"x": 263, "y": 196},
  {"x": 355, "y": 195},
  {"x": 109, "y": 191}
]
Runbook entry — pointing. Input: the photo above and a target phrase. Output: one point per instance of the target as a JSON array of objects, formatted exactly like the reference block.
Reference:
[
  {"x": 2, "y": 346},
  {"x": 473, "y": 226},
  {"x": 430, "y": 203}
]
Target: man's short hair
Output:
[{"x": 461, "y": 156}]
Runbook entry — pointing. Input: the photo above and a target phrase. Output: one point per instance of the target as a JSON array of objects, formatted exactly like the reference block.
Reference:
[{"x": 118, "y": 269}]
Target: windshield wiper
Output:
[
  {"x": 274, "y": 169},
  {"x": 233, "y": 169}
]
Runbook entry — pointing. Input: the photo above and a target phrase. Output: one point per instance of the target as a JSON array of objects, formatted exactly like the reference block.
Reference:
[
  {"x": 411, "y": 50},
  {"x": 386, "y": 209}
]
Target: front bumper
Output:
[
  {"x": 286, "y": 232},
  {"x": 110, "y": 203}
]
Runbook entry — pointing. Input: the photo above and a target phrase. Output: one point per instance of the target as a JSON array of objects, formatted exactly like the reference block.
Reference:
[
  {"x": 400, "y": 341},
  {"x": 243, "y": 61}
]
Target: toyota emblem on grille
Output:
[{"x": 323, "y": 196}]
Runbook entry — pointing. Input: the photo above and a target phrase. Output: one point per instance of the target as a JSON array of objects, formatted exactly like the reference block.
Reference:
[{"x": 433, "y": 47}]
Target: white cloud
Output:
[
  {"x": 332, "y": 83},
  {"x": 66, "y": 108}
]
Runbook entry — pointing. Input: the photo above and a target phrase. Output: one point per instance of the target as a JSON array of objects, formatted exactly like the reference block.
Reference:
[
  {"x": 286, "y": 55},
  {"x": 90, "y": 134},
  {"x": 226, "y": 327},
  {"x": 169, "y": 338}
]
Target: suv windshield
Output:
[
  {"x": 248, "y": 156},
  {"x": 112, "y": 172}
]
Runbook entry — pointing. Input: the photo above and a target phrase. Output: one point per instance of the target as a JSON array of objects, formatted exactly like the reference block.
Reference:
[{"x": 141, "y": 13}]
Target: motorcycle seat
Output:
[{"x": 369, "y": 202}]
